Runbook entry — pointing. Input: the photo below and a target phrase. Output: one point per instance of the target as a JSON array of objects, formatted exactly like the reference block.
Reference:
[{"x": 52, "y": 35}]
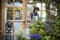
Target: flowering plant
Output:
[{"x": 35, "y": 36}]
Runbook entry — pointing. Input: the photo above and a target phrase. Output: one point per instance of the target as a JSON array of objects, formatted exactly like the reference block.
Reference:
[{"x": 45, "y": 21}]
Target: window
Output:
[
  {"x": 9, "y": 14},
  {"x": 12, "y": 18},
  {"x": 8, "y": 27},
  {"x": 8, "y": 37},
  {"x": 17, "y": 15},
  {"x": 42, "y": 12}
]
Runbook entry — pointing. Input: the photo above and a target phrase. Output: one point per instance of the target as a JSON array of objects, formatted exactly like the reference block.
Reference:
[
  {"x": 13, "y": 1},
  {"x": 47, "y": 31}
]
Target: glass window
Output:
[
  {"x": 42, "y": 12},
  {"x": 8, "y": 1},
  {"x": 39, "y": 5},
  {"x": 17, "y": 15},
  {"x": 17, "y": 26},
  {"x": 21, "y": 1},
  {"x": 12, "y": 17},
  {"x": 8, "y": 37},
  {"x": 29, "y": 9},
  {"x": 43, "y": 6},
  {"x": 8, "y": 27},
  {"x": 9, "y": 14},
  {"x": 43, "y": 19}
]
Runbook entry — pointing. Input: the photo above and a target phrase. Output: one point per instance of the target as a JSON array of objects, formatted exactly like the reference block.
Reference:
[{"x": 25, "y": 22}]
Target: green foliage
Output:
[
  {"x": 21, "y": 35},
  {"x": 38, "y": 27},
  {"x": 57, "y": 26},
  {"x": 46, "y": 38}
]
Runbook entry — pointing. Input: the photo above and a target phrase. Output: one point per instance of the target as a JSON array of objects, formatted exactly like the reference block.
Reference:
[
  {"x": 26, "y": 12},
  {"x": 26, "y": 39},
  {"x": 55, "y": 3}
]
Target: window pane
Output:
[
  {"x": 8, "y": 1},
  {"x": 8, "y": 37},
  {"x": 43, "y": 6},
  {"x": 9, "y": 14},
  {"x": 29, "y": 11},
  {"x": 17, "y": 14},
  {"x": 43, "y": 14},
  {"x": 8, "y": 27},
  {"x": 43, "y": 20},
  {"x": 18, "y": 4},
  {"x": 21, "y": 1},
  {"x": 17, "y": 26},
  {"x": 39, "y": 5}
]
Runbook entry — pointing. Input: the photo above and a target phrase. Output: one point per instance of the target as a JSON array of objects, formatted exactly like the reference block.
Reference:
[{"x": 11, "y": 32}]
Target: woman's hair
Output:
[{"x": 36, "y": 8}]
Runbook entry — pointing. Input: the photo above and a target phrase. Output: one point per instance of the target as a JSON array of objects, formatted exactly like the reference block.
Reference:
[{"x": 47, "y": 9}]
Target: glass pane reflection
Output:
[
  {"x": 8, "y": 1},
  {"x": 17, "y": 15},
  {"x": 17, "y": 26},
  {"x": 9, "y": 14},
  {"x": 8, "y": 37},
  {"x": 8, "y": 27}
]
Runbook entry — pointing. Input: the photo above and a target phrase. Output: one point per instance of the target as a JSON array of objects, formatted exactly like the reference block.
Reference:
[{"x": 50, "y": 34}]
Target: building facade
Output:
[{"x": 15, "y": 15}]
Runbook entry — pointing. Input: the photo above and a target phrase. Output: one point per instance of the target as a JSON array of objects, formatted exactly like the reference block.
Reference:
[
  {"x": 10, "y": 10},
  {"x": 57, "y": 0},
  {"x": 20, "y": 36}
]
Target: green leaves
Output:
[
  {"x": 38, "y": 27},
  {"x": 21, "y": 35}
]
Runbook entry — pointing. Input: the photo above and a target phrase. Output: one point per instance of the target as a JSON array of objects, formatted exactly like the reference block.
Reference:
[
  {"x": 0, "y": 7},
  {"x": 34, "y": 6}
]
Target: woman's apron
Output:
[{"x": 35, "y": 17}]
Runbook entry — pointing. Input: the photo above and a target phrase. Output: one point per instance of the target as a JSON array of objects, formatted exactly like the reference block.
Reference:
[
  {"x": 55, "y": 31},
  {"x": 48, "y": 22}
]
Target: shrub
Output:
[{"x": 21, "y": 35}]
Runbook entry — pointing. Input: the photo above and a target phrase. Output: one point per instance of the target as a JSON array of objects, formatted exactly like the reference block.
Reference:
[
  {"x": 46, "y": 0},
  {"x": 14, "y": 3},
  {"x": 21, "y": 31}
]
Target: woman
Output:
[{"x": 35, "y": 15}]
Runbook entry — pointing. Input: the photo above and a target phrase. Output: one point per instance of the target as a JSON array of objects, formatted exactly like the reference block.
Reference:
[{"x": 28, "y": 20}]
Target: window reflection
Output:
[
  {"x": 43, "y": 6},
  {"x": 21, "y": 1},
  {"x": 8, "y": 27},
  {"x": 17, "y": 15},
  {"x": 8, "y": 37},
  {"x": 8, "y": 1},
  {"x": 17, "y": 26},
  {"x": 13, "y": 12},
  {"x": 39, "y": 5},
  {"x": 9, "y": 14},
  {"x": 42, "y": 12}
]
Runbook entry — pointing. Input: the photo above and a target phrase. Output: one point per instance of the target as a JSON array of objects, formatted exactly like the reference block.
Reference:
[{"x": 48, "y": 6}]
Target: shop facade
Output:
[{"x": 15, "y": 15}]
